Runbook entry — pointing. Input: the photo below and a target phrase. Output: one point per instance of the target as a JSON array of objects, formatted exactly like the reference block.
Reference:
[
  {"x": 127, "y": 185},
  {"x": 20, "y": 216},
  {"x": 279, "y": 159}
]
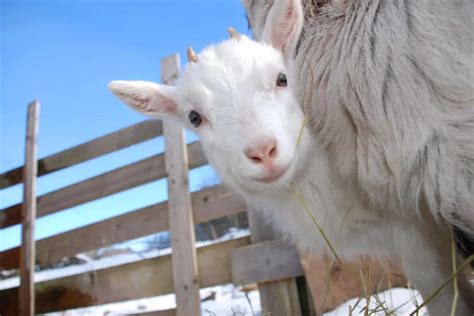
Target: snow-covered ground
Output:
[
  {"x": 116, "y": 260},
  {"x": 218, "y": 300},
  {"x": 229, "y": 300},
  {"x": 397, "y": 301}
]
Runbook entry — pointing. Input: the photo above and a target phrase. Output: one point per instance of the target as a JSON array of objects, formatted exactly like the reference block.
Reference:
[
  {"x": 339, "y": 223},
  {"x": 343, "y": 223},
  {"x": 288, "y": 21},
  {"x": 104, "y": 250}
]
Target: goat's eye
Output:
[
  {"x": 195, "y": 118},
  {"x": 281, "y": 80}
]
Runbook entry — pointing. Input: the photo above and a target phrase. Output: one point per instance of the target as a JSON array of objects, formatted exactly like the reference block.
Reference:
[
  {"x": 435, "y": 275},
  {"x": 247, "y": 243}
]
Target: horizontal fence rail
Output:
[
  {"x": 208, "y": 204},
  {"x": 146, "y": 278},
  {"x": 118, "y": 180},
  {"x": 168, "y": 312},
  {"x": 92, "y": 149},
  {"x": 219, "y": 263},
  {"x": 278, "y": 257}
]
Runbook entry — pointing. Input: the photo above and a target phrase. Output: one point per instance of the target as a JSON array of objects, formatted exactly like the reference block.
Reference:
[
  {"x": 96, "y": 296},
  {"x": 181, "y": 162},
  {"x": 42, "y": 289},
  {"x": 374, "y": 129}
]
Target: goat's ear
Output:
[
  {"x": 257, "y": 12},
  {"x": 283, "y": 26},
  {"x": 146, "y": 97}
]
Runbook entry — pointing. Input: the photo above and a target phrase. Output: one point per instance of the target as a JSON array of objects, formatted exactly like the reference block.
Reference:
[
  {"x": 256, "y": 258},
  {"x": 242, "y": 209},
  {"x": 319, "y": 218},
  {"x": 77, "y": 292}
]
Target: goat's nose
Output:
[{"x": 263, "y": 153}]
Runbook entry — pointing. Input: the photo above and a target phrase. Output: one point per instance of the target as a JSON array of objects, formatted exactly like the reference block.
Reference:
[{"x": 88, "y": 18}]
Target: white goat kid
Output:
[{"x": 239, "y": 97}]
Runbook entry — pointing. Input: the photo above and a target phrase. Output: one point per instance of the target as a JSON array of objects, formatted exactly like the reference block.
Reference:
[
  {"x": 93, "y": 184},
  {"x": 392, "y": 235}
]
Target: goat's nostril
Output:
[
  {"x": 273, "y": 152},
  {"x": 255, "y": 159}
]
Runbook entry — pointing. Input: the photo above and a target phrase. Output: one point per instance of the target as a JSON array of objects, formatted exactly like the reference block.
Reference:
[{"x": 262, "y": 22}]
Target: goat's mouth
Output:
[{"x": 273, "y": 176}]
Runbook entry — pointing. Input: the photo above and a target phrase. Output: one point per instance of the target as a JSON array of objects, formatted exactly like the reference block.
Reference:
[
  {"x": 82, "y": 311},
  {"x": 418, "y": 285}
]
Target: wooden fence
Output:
[
  {"x": 260, "y": 258},
  {"x": 219, "y": 263}
]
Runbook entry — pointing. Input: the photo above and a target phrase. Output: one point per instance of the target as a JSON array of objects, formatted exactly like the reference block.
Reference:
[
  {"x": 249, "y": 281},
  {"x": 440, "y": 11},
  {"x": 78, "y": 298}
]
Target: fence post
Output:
[
  {"x": 279, "y": 298},
  {"x": 183, "y": 255},
  {"x": 26, "y": 299}
]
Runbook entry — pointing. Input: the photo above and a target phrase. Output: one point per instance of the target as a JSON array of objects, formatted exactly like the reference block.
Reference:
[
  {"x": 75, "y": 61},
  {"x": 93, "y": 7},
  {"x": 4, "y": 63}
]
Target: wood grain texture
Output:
[
  {"x": 279, "y": 298},
  {"x": 168, "y": 312},
  {"x": 26, "y": 299},
  {"x": 331, "y": 284},
  {"x": 208, "y": 204},
  {"x": 118, "y": 180},
  {"x": 265, "y": 262},
  {"x": 180, "y": 213},
  {"x": 117, "y": 140},
  {"x": 145, "y": 278}
]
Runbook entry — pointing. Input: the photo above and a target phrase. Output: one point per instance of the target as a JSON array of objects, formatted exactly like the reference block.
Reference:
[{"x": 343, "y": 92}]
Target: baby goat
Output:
[{"x": 239, "y": 97}]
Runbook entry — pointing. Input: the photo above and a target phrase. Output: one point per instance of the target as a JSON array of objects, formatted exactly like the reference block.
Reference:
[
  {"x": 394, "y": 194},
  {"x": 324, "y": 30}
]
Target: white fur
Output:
[
  {"x": 233, "y": 88},
  {"x": 388, "y": 87}
]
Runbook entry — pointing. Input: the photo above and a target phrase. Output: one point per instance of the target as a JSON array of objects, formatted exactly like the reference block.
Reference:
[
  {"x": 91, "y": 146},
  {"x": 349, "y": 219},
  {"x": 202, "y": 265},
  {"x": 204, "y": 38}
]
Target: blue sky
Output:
[{"x": 64, "y": 53}]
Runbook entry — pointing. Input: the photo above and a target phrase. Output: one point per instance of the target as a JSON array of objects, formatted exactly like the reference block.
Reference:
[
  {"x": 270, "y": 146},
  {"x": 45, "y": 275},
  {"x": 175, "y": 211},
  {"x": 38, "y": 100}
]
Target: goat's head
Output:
[{"x": 238, "y": 97}]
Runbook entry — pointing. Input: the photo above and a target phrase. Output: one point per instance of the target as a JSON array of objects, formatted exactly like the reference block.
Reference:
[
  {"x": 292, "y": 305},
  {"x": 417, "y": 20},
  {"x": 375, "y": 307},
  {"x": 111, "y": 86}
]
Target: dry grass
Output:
[
  {"x": 455, "y": 280},
  {"x": 365, "y": 279},
  {"x": 299, "y": 198},
  {"x": 451, "y": 278}
]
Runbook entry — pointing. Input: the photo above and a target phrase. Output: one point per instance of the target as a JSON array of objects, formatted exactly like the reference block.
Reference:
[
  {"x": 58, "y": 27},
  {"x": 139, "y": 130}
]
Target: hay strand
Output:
[
  {"x": 445, "y": 283},
  {"x": 303, "y": 204}
]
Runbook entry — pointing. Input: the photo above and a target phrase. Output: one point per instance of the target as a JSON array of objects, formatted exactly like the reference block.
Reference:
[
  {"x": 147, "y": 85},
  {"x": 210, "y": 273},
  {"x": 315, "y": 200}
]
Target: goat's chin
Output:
[
  {"x": 253, "y": 187},
  {"x": 252, "y": 184}
]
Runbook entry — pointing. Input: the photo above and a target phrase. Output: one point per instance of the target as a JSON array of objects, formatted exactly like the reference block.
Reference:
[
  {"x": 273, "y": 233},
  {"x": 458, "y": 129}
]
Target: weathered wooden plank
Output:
[
  {"x": 279, "y": 297},
  {"x": 208, "y": 204},
  {"x": 331, "y": 284},
  {"x": 168, "y": 312},
  {"x": 135, "y": 174},
  {"x": 305, "y": 297},
  {"x": 26, "y": 299},
  {"x": 264, "y": 262},
  {"x": 180, "y": 213},
  {"x": 117, "y": 140},
  {"x": 135, "y": 280}
]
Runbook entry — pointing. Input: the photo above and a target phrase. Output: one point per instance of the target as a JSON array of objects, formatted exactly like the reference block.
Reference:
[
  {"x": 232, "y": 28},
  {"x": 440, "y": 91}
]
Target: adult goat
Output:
[{"x": 388, "y": 87}]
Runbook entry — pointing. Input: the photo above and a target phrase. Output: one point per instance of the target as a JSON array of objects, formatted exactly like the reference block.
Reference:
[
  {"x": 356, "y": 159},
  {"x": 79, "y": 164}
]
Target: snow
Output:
[
  {"x": 232, "y": 301},
  {"x": 108, "y": 262},
  {"x": 229, "y": 300},
  {"x": 399, "y": 301},
  {"x": 216, "y": 301}
]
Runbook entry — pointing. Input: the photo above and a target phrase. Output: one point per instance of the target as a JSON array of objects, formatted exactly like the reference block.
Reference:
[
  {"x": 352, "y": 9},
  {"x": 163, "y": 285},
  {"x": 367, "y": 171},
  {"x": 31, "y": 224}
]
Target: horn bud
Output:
[
  {"x": 233, "y": 33},
  {"x": 192, "y": 57}
]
